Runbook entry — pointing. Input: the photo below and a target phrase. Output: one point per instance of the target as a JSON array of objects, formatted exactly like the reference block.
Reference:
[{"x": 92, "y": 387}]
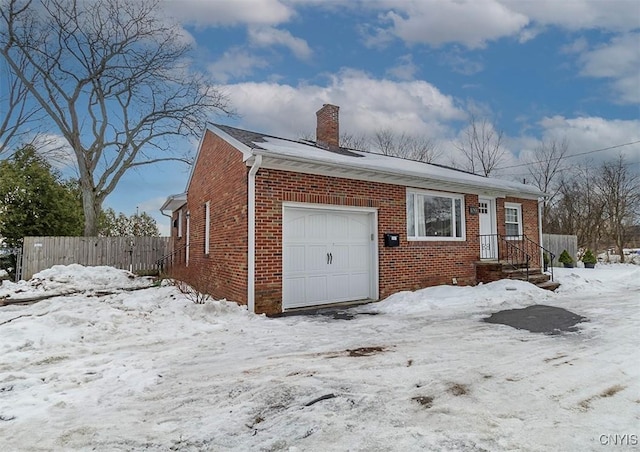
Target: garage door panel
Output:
[
  {"x": 316, "y": 227},
  {"x": 339, "y": 287},
  {"x": 359, "y": 285},
  {"x": 339, "y": 258},
  {"x": 358, "y": 228},
  {"x": 317, "y": 258},
  {"x": 338, "y": 226},
  {"x": 294, "y": 259},
  {"x": 359, "y": 256},
  {"x": 295, "y": 227},
  {"x": 327, "y": 256},
  {"x": 294, "y": 288},
  {"x": 316, "y": 289}
]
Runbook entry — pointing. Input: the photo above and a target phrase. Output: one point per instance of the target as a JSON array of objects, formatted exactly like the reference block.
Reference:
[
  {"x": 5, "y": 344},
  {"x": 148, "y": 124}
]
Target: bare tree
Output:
[
  {"x": 579, "y": 207},
  {"x": 481, "y": 147},
  {"x": 19, "y": 117},
  {"x": 354, "y": 141},
  {"x": 111, "y": 76},
  {"x": 347, "y": 140},
  {"x": 412, "y": 147},
  {"x": 620, "y": 192},
  {"x": 544, "y": 166}
]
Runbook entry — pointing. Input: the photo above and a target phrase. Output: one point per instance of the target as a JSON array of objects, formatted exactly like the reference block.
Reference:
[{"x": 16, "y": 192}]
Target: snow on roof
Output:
[
  {"x": 386, "y": 164},
  {"x": 254, "y": 143}
]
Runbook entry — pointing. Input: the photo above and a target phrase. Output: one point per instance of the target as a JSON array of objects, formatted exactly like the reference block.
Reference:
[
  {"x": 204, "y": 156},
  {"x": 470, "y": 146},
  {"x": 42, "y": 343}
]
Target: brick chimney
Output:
[{"x": 328, "y": 130}]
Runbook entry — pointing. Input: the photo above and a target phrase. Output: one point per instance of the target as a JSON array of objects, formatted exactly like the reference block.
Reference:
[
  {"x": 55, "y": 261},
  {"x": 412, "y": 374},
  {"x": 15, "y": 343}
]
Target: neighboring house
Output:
[{"x": 279, "y": 224}]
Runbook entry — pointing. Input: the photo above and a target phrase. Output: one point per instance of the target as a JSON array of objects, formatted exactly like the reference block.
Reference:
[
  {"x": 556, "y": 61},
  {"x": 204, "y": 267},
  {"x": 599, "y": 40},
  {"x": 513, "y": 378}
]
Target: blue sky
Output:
[{"x": 536, "y": 69}]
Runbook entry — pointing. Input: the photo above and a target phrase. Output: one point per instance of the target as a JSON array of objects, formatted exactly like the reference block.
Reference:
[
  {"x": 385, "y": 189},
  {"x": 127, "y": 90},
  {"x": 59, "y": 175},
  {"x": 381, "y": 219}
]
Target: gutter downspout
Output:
[
  {"x": 540, "y": 203},
  {"x": 251, "y": 226}
]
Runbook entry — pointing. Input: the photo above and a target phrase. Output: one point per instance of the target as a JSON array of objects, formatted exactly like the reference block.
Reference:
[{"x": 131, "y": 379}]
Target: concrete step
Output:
[
  {"x": 549, "y": 285},
  {"x": 522, "y": 274}
]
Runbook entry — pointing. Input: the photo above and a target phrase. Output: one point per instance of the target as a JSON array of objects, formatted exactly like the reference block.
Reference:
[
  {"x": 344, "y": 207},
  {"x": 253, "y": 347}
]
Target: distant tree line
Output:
[
  {"x": 597, "y": 202},
  {"x": 36, "y": 201}
]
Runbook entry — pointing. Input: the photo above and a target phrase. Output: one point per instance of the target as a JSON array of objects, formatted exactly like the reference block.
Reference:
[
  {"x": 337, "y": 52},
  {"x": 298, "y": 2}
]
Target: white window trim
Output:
[
  {"x": 207, "y": 227},
  {"x": 188, "y": 244},
  {"x": 180, "y": 223},
  {"x": 518, "y": 207},
  {"x": 453, "y": 196}
]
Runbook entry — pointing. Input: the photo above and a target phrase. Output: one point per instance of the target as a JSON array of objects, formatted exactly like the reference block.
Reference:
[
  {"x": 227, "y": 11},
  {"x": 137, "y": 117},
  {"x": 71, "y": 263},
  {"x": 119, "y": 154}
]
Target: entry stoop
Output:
[{"x": 494, "y": 271}]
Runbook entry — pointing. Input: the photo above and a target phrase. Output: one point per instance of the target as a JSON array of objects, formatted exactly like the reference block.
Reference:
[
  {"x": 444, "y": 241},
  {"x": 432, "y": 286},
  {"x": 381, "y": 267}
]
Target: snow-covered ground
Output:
[{"x": 150, "y": 370}]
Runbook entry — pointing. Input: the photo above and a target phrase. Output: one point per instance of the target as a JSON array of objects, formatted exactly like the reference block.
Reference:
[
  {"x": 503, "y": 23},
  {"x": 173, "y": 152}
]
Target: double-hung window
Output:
[
  {"x": 435, "y": 216},
  {"x": 512, "y": 220}
]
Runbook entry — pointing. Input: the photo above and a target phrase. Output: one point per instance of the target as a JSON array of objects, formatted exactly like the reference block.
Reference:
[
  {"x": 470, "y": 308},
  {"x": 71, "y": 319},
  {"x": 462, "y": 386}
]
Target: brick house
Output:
[{"x": 280, "y": 224}]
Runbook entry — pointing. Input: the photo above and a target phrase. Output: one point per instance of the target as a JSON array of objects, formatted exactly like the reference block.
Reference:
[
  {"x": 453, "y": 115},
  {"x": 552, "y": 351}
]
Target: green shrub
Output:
[
  {"x": 565, "y": 258},
  {"x": 589, "y": 257}
]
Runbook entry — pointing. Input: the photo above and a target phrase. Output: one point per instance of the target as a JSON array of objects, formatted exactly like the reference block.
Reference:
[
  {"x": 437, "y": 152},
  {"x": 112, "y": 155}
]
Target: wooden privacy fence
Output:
[
  {"x": 556, "y": 243},
  {"x": 138, "y": 254}
]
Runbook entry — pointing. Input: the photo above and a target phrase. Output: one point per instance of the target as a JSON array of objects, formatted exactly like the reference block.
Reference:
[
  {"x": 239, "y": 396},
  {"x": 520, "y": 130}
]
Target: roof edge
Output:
[
  {"x": 174, "y": 202},
  {"x": 241, "y": 147},
  {"x": 531, "y": 193}
]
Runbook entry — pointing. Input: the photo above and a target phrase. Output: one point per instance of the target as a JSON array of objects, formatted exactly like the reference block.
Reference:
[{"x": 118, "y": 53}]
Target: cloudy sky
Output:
[{"x": 538, "y": 69}]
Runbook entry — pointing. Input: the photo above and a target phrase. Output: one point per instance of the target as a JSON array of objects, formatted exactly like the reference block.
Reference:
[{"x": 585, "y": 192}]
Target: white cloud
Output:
[
  {"x": 405, "y": 69},
  {"x": 366, "y": 104},
  {"x": 529, "y": 33},
  {"x": 590, "y": 133},
  {"x": 613, "y": 15},
  {"x": 619, "y": 61},
  {"x": 269, "y": 36},
  {"x": 575, "y": 47},
  {"x": 235, "y": 63},
  {"x": 229, "y": 12},
  {"x": 437, "y": 22},
  {"x": 460, "y": 64},
  {"x": 474, "y": 23}
]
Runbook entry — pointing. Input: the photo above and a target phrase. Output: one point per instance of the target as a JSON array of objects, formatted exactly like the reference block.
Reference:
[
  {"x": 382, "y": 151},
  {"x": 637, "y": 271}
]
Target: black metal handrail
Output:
[
  {"x": 515, "y": 256},
  {"x": 166, "y": 262},
  {"x": 515, "y": 250},
  {"x": 541, "y": 250}
]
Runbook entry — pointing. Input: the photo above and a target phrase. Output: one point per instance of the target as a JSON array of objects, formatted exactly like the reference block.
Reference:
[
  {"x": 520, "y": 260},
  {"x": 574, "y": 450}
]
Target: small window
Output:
[
  {"x": 434, "y": 216},
  {"x": 483, "y": 207},
  {"x": 180, "y": 223},
  {"x": 207, "y": 213},
  {"x": 512, "y": 220}
]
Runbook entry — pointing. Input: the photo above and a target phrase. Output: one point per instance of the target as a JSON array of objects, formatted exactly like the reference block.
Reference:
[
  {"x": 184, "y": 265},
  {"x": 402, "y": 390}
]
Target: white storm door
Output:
[
  {"x": 488, "y": 228},
  {"x": 327, "y": 256}
]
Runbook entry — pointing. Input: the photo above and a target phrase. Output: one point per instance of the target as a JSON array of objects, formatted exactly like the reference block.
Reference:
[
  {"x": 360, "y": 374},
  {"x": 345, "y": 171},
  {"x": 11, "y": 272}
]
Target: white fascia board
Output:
[
  {"x": 246, "y": 150},
  {"x": 394, "y": 177},
  {"x": 174, "y": 202},
  {"x": 193, "y": 165}
]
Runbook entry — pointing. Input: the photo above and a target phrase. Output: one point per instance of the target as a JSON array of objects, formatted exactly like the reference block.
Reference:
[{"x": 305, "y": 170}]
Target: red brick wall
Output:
[
  {"x": 411, "y": 266},
  {"x": 174, "y": 263},
  {"x": 219, "y": 177},
  {"x": 530, "y": 227}
]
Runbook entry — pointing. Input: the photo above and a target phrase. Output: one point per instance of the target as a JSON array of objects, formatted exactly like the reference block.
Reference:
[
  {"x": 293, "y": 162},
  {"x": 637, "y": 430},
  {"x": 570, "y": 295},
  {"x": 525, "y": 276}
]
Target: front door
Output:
[{"x": 488, "y": 228}]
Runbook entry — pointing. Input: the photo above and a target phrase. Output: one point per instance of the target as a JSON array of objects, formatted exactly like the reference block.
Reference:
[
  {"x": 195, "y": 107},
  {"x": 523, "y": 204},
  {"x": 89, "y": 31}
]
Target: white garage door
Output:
[{"x": 327, "y": 256}]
